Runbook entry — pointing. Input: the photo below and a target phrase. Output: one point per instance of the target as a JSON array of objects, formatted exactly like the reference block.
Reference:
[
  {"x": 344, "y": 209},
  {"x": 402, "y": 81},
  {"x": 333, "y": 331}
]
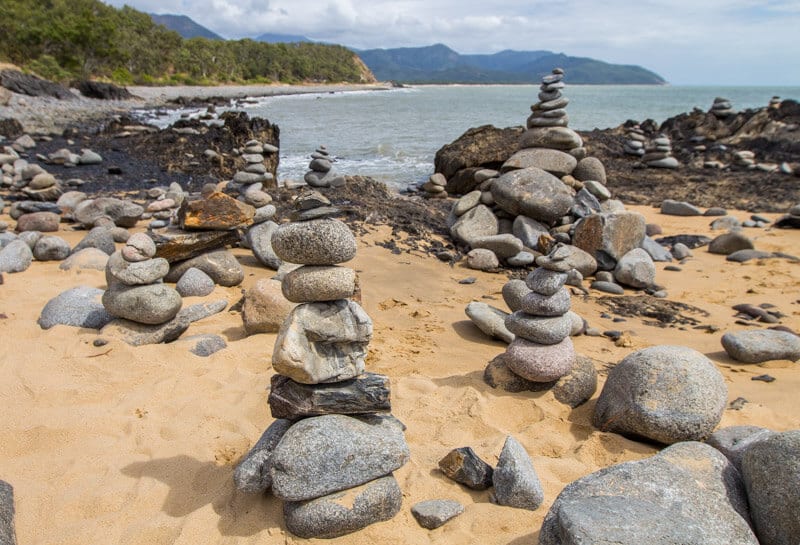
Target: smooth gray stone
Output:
[
  {"x": 635, "y": 269},
  {"x": 490, "y": 320},
  {"x": 726, "y": 223},
  {"x": 345, "y": 512},
  {"x": 664, "y": 393},
  {"x": 432, "y": 514},
  {"x": 264, "y": 213},
  {"x": 325, "y": 454},
  {"x": 681, "y": 251},
  {"x": 529, "y": 230},
  {"x": 7, "y": 533},
  {"x": 741, "y": 256},
  {"x": 664, "y": 162},
  {"x": 564, "y": 258},
  {"x": 731, "y": 242},
  {"x": 553, "y": 161},
  {"x": 771, "y": 475},
  {"x": 532, "y": 192},
  {"x": 546, "y": 305},
  {"x": 481, "y": 259},
  {"x": 135, "y": 274},
  {"x": 467, "y": 202},
  {"x": 122, "y": 213},
  {"x": 513, "y": 291},
  {"x": 540, "y": 362},
  {"x": 366, "y": 394},
  {"x": 88, "y": 258},
  {"x": 30, "y": 238},
  {"x": 657, "y": 251},
  {"x": 539, "y": 329},
  {"x": 25, "y": 207},
  {"x": 51, "y": 248},
  {"x": 252, "y": 475},
  {"x": 715, "y": 211},
  {"x": 522, "y": 259},
  {"x": 77, "y": 307},
  {"x": 591, "y": 170},
  {"x": 311, "y": 283},
  {"x": 315, "y": 242},
  {"x": 204, "y": 344},
  {"x": 15, "y": 257},
  {"x": 607, "y": 287},
  {"x": 679, "y": 208},
  {"x": 687, "y": 493},
  {"x": 561, "y": 138},
  {"x": 198, "y": 311},
  {"x": 516, "y": 483},
  {"x": 99, "y": 237},
  {"x": 259, "y": 238},
  {"x": 757, "y": 346},
  {"x": 503, "y": 246},
  {"x": 733, "y": 441},
  {"x": 221, "y": 265},
  {"x": 322, "y": 212},
  {"x": 194, "y": 283},
  {"x": 465, "y": 467},
  {"x": 323, "y": 342},
  {"x": 7, "y": 238},
  {"x": 577, "y": 387},
  {"x": 545, "y": 282},
  {"x": 138, "y": 247},
  {"x": 479, "y": 221},
  {"x": 152, "y": 305}
]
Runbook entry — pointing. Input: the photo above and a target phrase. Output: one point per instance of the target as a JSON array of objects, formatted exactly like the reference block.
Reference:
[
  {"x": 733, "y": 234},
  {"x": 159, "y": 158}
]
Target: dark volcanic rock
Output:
[
  {"x": 367, "y": 393},
  {"x": 465, "y": 467},
  {"x": 484, "y": 146},
  {"x": 26, "y": 84},
  {"x": 103, "y": 91}
]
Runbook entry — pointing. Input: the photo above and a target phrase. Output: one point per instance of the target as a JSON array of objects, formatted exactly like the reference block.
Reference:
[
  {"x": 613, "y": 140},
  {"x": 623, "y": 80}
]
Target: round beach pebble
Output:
[
  {"x": 540, "y": 362},
  {"x": 194, "y": 283},
  {"x": 51, "y": 248},
  {"x": 311, "y": 283},
  {"x": 756, "y": 346},
  {"x": 315, "y": 242}
]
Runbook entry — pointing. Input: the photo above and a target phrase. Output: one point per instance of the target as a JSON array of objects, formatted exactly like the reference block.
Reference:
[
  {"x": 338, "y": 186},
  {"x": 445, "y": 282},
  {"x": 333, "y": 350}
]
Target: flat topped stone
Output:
[
  {"x": 553, "y": 161},
  {"x": 757, "y": 346},
  {"x": 216, "y": 211},
  {"x": 432, "y": 514},
  {"x": 561, "y": 138},
  {"x": 314, "y": 242}
]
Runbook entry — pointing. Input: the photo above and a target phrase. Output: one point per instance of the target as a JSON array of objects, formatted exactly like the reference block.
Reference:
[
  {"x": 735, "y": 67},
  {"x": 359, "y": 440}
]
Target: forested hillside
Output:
[{"x": 79, "y": 39}]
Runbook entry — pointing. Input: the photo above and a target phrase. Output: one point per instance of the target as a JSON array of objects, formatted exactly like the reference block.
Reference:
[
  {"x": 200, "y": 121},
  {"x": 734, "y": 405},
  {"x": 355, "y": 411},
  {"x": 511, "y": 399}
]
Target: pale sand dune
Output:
[{"x": 116, "y": 444}]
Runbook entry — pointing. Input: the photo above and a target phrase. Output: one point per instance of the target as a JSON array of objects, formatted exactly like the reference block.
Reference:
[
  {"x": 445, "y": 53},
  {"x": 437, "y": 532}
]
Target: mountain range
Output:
[{"x": 439, "y": 64}]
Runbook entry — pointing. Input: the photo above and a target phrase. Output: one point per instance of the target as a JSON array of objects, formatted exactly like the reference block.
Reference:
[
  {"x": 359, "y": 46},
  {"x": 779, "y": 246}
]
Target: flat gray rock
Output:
[
  {"x": 259, "y": 238},
  {"x": 503, "y": 245},
  {"x": 311, "y": 283},
  {"x": 77, "y": 307},
  {"x": 591, "y": 169},
  {"x": 539, "y": 329},
  {"x": 546, "y": 305},
  {"x": 7, "y": 533},
  {"x": 325, "y": 454},
  {"x": 565, "y": 257},
  {"x": 553, "y": 161},
  {"x": 315, "y": 242},
  {"x": 221, "y": 265},
  {"x": 516, "y": 483},
  {"x": 153, "y": 304},
  {"x": 323, "y": 342},
  {"x": 15, "y": 257},
  {"x": 771, "y": 474},
  {"x": 477, "y": 222},
  {"x": 670, "y": 207},
  {"x": 344, "y": 512},
  {"x": 607, "y": 287},
  {"x": 490, "y": 320},
  {"x": 733, "y": 441},
  {"x": 432, "y": 514},
  {"x": 467, "y": 202},
  {"x": 656, "y": 251},
  {"x": 687, "y": 493},
  {"x": 252, "y": 475},
  {"x": 741, "y": 256},
  {"x": 664, "y": 393},
  {"x": 757, "y": 346}
]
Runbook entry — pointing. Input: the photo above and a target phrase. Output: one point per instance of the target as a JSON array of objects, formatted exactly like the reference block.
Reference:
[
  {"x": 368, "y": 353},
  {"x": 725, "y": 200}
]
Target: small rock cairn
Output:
[
  {"x": 635, "y": 141},
  {"x": 332, "y": 450},
  {"x": 255, "y": 172},
  {"x": 135, "y": 288},
  {"x": 321, "y": 172},
  {"x": 722, "y": 108},
  {"x": 659, "y": 153},
  {"x": 436, "y": 186}
]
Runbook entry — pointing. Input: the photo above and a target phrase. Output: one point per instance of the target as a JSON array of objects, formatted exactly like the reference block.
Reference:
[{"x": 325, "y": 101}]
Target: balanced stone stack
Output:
[
  {"x": 332, "y": 450},
  {"x": 321, "y": 172},
  {"x": 136, "y": 291},
  {"x": 435, "y": 187},
  {"x": 255, "y": 171},
  {"x": 542, "y": 350},
  {"x": 634, "y": 141},
  {"x": 547, "y": 124},
  {"x": 774, "y": 102},
  {"x": 659, "y": 153},
  {"x": 721, "y": 108},
  {"x": 744, "y": 158}
]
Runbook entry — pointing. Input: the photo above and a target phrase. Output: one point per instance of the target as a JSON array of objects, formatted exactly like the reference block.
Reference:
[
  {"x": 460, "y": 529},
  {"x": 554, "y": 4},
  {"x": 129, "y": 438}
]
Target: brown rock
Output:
[
  {"x": 218, "y": 212},
  {"x": 265, "y": 308},
  {"x": 177, "y": 246},
  {"x": 465, "y": 467},
  {"x": 45, "y": 222},
  {"x": 480, "y": 146}
]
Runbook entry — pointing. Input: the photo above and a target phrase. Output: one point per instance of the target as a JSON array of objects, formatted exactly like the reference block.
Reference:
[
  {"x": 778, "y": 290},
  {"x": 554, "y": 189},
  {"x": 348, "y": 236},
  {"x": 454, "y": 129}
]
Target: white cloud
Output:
[{"x": 686, "y": 41}]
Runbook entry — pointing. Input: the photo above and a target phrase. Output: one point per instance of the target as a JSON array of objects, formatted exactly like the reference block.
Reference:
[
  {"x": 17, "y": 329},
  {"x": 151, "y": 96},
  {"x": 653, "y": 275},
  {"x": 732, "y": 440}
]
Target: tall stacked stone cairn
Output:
[
  {"x": 634, "y": 141},
  {"x": 321, "y": 172},
  {"x": 333, "y": 447},
  {"x": 722, "y": 108},
  {"x": 255, "y": 171},
  {"x": 658, "y": 154}
]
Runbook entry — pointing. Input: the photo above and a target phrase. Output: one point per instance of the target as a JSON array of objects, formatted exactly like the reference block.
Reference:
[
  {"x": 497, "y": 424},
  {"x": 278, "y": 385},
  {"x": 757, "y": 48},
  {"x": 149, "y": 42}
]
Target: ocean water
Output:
[{"x": 393, "y": 135}]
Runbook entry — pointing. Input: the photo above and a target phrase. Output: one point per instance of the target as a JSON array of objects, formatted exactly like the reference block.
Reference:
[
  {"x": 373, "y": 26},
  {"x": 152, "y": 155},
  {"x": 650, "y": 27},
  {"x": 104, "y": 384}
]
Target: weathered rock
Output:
[
  {"x": 194, "y": 283},
  {"x": 465, "y": 467},
  {"x": 138, "y": 247},
  {"x": 757, "y": 346},
  {"x": 477, "y": 222},
  {"x": 136, "y": 334},
  {"x": 179, "y": 246},
  {"x": 688, "y": 493},
  {"x": 325, "y": 454},
  {"x": 591, "y": 169},
  {"x": 153, "y": 304},
  {"x": 484, "y": 145},
  {"x": 664, "y": 393},
  {"x": 467, "y": 203},
  {"x": 51, "y": 248},
  {"x": 217, "y": 212},
  {"x": 635, "y": 269},
  {"x": 315, "y": 242},
  {"x": 221, "y": 265},
  {"x": 7, "y": 532},
  {"x": 771, "y": 475},
  {"x": 733, "y": 441},
  {"x": 344, "y": 512},
  {"x": 729, "y": 243},
  {"x": 265, "y": 308},
  {"x": 432, "y": 514},
  {"x": 563, "y": 258},
  {"x": 516, "y": 483},
  {"x": 656, "y": 251},
  {"x": 77, "y": 307},
  {"x": 137, "y": 273},
  {"x": 609, "y": 236},
  {"x": 99, "y": 237},
  {"x": 553, "y": 161},
  {"x": 259, "y": 238},
  {"x": 529, "y": 230},
  {"x": 15, "y": 257},
  {"x": 540, "y": 362},
  {"x": 365, "y": 394},
  {"x": 44, "y": 222},
  {"x": 122, "y": 213},
  {"x": 490, "y": 320},
  {"x": 532, "y": 192},
  {"x": 252, "y": 475},
  {"x": 546, "y": 305},
  {"x": 323, "y": 342},
  {"x": 579, "y": 385},
  {"x": 311, "y": 283}
]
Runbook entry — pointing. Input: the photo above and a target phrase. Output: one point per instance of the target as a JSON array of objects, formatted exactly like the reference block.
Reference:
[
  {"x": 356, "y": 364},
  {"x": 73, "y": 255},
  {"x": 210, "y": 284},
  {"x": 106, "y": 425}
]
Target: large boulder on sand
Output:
[
  {"x": 479, "y": 146},
  {"x": 609, "y": 236}
]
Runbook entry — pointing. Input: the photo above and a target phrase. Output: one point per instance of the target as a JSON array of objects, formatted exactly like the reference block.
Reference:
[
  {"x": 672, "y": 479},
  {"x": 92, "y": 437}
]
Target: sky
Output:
[{"x": 688, "y": 42}]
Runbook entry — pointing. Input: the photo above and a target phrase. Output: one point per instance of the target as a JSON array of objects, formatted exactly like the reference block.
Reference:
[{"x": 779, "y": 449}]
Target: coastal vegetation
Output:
[{"x": 64, "y": 40}]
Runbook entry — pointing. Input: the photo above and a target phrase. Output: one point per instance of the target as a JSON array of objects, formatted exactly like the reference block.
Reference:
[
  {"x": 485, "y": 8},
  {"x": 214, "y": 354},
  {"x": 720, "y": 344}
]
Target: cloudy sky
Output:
[{"x": 722, "y": 42}]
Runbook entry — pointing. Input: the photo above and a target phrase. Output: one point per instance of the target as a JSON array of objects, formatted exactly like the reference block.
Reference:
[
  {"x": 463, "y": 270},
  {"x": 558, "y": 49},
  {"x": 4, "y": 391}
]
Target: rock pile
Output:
[
  {"x": 634, "y": 141},
  {"x": 659, "y": 153},
  {"x": 334, "y": 437},
  {"x": 255, "y": 171},
  {"x": 721, "y": 108},
  {"x": 435, "y": 187},
  {"x": 321, "y": 172}
]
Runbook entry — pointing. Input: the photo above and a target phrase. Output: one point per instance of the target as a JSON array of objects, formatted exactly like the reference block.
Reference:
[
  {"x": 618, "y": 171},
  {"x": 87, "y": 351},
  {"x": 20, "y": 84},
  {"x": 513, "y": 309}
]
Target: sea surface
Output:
[{"x": 393, "y": 135}]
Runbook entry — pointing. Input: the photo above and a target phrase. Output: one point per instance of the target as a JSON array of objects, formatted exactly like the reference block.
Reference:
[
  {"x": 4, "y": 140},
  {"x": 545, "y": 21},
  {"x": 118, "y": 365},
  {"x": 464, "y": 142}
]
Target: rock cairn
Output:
[
  {"x": 634, "y": 141},
  {"x": 135, "y": 288},
  {"x": 321, "y": 172},
  {"x": 547, "y": 124},
  {"x": 659, "y": 153},
  {"x": 334, "y": 436},
  {"x": 774, "y": 102},
  {"x": 435, "y": 187},
  {"x": 722, "y": 108}
]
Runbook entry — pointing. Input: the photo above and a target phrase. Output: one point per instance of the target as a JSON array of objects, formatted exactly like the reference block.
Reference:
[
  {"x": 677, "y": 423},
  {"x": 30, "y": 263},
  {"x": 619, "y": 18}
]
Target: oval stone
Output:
[
  {"x": 311, "y": 283},
  {"x": 546, "y": 305},
  {"x": 154, "y": 304},
  {"x": 315, "y": 242},
  {"x": 540, "y": 362}
]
